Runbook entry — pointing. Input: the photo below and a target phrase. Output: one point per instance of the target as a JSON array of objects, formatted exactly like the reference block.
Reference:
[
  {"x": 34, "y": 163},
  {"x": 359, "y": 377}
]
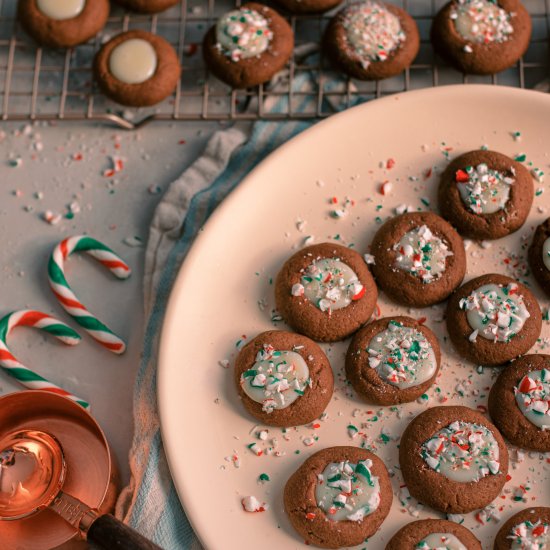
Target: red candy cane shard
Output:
[
  {"x": 66, "y": 297},
  {"x": 13, "y": 367}
]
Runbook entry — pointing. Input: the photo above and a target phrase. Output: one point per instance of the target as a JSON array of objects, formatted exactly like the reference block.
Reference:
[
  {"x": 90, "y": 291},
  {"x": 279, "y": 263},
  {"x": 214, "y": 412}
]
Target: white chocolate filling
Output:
[
  {"x": 546, "y": 253},
  {"x": 440, "y": 541},
  {"x": 481, "y": 21},
  {"x": 347, "y": 491},
  {"x": 533, "y": 397},
  {"x": 61, "y": 9},
  {"x": 133, "y": 61},
  {"x": 530, "y": 536}
]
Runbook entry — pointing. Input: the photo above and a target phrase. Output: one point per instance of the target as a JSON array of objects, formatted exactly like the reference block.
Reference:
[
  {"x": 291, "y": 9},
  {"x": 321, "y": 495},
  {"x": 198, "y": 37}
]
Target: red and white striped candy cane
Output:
[
  {"x": 67, "y": 298},
  {"x": 13, "y": 367}
]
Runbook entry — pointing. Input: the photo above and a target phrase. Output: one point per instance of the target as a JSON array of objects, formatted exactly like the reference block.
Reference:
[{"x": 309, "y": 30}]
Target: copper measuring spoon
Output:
[{"x": 32, "y": 473}]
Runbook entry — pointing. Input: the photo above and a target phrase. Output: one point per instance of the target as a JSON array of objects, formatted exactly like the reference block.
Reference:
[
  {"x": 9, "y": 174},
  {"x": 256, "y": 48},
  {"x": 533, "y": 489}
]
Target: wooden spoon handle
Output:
[{"x": 110, "y": 533}]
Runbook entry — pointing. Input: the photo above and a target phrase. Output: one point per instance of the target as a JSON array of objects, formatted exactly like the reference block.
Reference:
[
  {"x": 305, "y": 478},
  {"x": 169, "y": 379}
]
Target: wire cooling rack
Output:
[{"x": 45, "y": 84}]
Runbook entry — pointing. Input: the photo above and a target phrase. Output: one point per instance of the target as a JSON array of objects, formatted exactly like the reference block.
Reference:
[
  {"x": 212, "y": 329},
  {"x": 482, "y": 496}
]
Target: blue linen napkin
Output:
[{"x": 150, "y": 502}]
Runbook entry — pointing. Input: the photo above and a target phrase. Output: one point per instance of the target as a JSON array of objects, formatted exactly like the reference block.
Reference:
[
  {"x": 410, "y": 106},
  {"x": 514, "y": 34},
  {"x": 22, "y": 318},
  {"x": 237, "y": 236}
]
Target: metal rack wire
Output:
[{"x": 43, "y": 84}]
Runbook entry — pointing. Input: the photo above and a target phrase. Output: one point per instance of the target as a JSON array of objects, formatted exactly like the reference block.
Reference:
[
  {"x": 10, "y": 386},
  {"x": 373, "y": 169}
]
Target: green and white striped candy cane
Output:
[
  {"x": 66, "y": 297},
  {"x": 13, "y": 367}
]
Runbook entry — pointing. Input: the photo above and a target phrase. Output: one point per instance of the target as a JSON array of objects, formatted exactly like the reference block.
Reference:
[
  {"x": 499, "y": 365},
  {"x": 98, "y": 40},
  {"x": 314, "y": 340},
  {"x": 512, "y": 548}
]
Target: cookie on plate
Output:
[
  {"x": 485, "y": 195},
  {"x": 338, "y": 497},
  {"x": 481, "y": 36},
  {"x": 393, "y": 360},
  {"x": 371, "y": 40},
  {"x": 308, "y": 6},
  {"x": 519, "y": 402},
  {"x": 147, "y": 6},
  {"x": 137, "y": 68},
  {"x": 248, "y": 45},
  {"x": 539, "y": 255},
  {"x": 493, "y": 319},
  {"x": 62, "y": 24},
  {"x": 453, "y": 459},
  {"x": 326, "y": 292},
  {"x": 283, "y": 379},
  {"x": 419, "y": 259},
  {"x": 528, "y": 529},
  {"x": 426, "y": 534}
]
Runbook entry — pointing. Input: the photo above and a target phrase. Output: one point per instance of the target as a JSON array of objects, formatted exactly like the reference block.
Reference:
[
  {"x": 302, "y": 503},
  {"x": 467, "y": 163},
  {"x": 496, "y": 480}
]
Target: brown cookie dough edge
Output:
[
  {"x": 502, "y": 542},
  {"x": 64, "y": 33},
  {"x": 250, "y": 72},
  {"x": 434, "y": 489},
  {"x": 147, "y": 93},
  {"x": 488, "y": 352},
  {"x": 337, "y": 50},
  {"x": 367, "y": 382},
  {"x": 299, "y": 500},
  {"x": 414, "y": 532},
  {"x": 308, "y": 6},
  {"x": 486, "y": 226},
  {"x": 505, "y": 412},
  {"x": 535, "y": 257},
  {"x": 147, "y": 6},
  {"x": 305, "y": 317},
  {"x": 307, "y": 407}
]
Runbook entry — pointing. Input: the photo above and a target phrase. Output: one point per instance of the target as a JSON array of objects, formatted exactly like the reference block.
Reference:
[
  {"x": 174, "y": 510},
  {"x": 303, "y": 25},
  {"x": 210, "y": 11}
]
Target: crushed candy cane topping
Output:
[
  {"x": 422, "y": 253},
  {"x": 372, "y": 31},
  {"x": 276, "y": 379},
  {"x": 482, "y": 21},
  {"x": 347, "y": 491},
  {"x": 402, "y": 356},
  {"x": 462, "y": 452},
  {"x": 530, "y": 536},
  {"x": 242, "y": 34},
  {"x": 496, "y": 312},
  {"x": 546, "y": 253},
  {"x": 329, "y": 284},
  {"x": 440, "y": 541},
  {"x": 533, "y": 397},
  {"x": 252, "y": 504},
  {"x": 484, "y": 190}
]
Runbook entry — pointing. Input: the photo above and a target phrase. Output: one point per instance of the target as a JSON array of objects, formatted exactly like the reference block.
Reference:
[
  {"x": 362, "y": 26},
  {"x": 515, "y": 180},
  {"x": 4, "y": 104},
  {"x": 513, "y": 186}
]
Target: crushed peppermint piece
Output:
[
  {"x": 533, "y": 397},
  {"x": 252, "y": 504},
  {"x": 530, "y": 536},
  {"x": 481, "y": 21}
]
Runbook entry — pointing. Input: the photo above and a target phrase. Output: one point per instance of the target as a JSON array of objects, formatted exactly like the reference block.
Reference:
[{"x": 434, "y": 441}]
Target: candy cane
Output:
[
  {"x": 13, "y": 367},
  {"x": 66, "y": 297}
]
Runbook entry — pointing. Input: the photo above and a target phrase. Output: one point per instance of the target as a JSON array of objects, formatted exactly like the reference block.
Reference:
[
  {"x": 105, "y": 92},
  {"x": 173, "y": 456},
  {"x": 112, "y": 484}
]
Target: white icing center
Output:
[
  {"x": 402, "y": 356},
  {"x": 329, "y": 284},
  {"x": 276, "y": 379},
  {"x": 243, "y": 33},
  {"x": 495, "y": 312},
  {"x": 440, "y": 541},
  {"x": 60, "y": 9},
  {"x": 481, "y": 21},
  {"x": 422, "y": 253},
  {"x": 133, "y": 61},
  {"x": 530, "y": 536},
  {"x": 347, "y": 491},
  {"x": 546, "y": 253},
  {"x": 482, "y": 189},
  {"x": 462, "y": 452},
  {"x": 372, "y": 31},
  {"x": 533, "y": 397}
]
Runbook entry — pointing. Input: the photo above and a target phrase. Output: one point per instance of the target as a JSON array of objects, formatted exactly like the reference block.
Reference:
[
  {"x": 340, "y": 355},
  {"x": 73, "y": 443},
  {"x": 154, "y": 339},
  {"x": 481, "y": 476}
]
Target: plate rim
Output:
[{"x": 162, "y": 392}]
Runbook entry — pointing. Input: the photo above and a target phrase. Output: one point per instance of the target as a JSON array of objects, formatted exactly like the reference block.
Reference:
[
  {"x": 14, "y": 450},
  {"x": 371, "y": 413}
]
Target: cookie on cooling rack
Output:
[
  {"x": 426, "y": 534},
  {"x": 539, "y": 255},
  {"x": 326, "y": 292},
  {"x": 529, "y": 528},
  {"x": 371, "y": 40},
  {"x": 493, "y": 319},
  {"x": 519, "y": 402},
  {"x": 485, "y": 195},
  {"x": 453, "y": 459},
  {"x": 321, "y": 505},
  {"x": 62, "y": 24},
  {"x": 283, "y": 379},
  {"x": 481, "y": 36},
  {"x": 137, "y": 68},
  {"x": 248, "y": 45},
  {"x": 393, "y": 360},
  {"x": 147, "y": 6},
  {"x": 419, "y": 259}
]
